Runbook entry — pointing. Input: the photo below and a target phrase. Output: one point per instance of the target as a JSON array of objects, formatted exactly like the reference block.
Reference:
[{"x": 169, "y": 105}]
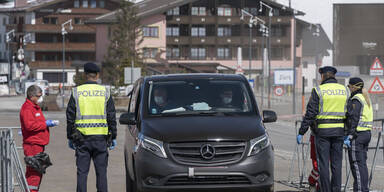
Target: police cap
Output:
[
  {"x": 356, "y": 81},
  {"x": 327, "y": 69},
  {"x": 91, "y": 68}
]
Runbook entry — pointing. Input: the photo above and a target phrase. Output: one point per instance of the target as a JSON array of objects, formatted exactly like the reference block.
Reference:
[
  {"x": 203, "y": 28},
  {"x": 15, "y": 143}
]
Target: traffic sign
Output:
[
  {"x": 376, "y": 87},
  {"x": 376, "y": 68},
  {"x": 279, "y": 91}
]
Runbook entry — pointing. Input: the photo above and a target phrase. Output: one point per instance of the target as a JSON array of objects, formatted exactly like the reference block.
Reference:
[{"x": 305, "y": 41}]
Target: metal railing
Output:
[
  {"x": 301, "y": 156},
  {"x": 11, "y": 167}
]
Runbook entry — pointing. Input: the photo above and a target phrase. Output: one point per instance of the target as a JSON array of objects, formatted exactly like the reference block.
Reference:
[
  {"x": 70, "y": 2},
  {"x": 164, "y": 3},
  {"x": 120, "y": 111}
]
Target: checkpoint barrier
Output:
[
  {"x": 11, "y": 167},
  {"x": 299, "y": 168},
  {"x": 297, "y": 178}
]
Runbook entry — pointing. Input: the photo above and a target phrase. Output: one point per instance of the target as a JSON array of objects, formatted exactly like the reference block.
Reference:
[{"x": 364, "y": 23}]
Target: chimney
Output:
[{"x": 21, "y": 3}]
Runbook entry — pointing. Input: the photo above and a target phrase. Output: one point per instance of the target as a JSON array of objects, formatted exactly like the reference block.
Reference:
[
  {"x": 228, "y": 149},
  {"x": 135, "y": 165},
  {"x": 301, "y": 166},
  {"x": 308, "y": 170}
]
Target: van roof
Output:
[{"x": 194, "y": 76}]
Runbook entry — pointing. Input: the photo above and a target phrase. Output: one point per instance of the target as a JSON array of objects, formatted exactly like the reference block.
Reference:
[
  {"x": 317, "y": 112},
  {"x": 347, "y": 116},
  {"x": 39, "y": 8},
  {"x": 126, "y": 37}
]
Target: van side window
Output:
[
  {"x": 137, "y": 103},
  {"x": 132, "y": 102}
]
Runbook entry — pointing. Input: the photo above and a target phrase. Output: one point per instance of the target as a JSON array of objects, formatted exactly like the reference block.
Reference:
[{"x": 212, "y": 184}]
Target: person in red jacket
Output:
[{"x": 35, "y": 130}]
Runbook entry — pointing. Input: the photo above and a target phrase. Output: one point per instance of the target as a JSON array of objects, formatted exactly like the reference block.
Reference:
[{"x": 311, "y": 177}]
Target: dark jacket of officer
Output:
[
  {"x": 313, "y": 111},
  {"x": 353, "y": 114}
]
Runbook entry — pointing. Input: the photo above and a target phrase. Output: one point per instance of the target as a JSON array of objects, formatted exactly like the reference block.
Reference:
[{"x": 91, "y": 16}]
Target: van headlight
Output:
[
  {"x": 152, "y": 145},
  {"x": 258, "y": 144}
]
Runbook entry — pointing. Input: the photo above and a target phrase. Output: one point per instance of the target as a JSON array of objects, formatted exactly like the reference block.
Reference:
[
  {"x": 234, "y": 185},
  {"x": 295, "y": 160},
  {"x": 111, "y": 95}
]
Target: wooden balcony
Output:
[
  {"x": 47, "y": 28},
  {"x": 49, "y": 64},
  {"x": 55, "y": 47},
  {"x": 203, "y": 40}
]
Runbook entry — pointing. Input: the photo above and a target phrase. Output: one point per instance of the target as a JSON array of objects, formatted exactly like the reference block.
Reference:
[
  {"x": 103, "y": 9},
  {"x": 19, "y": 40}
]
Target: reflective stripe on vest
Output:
[
  {"x": 366, "y": 114},
  {"x": 333, "y": 99},
  {"x": 91, "y": 109}
]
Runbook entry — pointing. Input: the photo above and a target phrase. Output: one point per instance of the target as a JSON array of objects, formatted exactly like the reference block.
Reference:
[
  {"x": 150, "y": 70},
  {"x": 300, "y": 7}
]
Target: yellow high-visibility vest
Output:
[
  {"x": 91, "y": 105},
  {"x": 332, "y": 105},
  {"x": 366, "y": 114}
]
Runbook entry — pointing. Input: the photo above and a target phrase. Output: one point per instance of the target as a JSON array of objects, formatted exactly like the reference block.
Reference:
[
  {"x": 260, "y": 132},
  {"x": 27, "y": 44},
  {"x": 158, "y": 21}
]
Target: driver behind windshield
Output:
[
  {"x": 226, "y": 98},
  {"x": 160, "y": 101}
]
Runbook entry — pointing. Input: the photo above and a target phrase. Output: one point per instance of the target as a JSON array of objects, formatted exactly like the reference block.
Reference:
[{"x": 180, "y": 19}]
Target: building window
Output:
[
  {"x": 200, "y": 11},
  {"x": 174, "y": 11},
  {"x": 101, "y": 4},
  {"x": 85, "y": 3},
  {"x": 150, "y": 52},
  {"x": 150, "y": 31},
  {"x": 173, "y": 31},
  {"x": 173, "y": 53},
  {"x": 76, "y": 4},
  {"x": 198, "y": 53},
  {"x": 1, "y": 39},
  {"x": 224, "y": 31},
  {"x": 221, "y": 11},
  {"x": 277, "y": 53},
  {"x": 50, "y": 20},
  {"x": 4, "y": 21},
  {"x": 223, "y": 53},
  {"x": 78, "y": 21},
  {"x": 54, "y": 20},
  {"x": 55, "y": 77},
  {"x": 198, "y": 32},
  {"x": 93, "y": 3},
  {"x": 45, "y": 20},
  {"x": 254, "y": 11}
]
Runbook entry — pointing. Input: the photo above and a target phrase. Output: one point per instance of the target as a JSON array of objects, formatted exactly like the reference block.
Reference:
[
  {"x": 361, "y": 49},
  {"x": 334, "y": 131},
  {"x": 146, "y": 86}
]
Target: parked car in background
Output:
[{"x": 196, "y": 131}]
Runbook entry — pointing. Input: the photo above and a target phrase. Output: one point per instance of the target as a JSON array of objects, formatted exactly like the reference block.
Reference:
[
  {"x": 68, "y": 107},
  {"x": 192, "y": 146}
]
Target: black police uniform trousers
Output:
[
  {"x": 97, "y": 150},
  {"x": 330, "y": 150},
  {"x": 358, "y": 160}
]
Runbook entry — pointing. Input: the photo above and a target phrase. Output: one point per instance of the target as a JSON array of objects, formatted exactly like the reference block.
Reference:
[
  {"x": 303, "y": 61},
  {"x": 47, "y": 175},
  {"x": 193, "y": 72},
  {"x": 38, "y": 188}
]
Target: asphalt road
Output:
[{"x": 62, "y": 175}]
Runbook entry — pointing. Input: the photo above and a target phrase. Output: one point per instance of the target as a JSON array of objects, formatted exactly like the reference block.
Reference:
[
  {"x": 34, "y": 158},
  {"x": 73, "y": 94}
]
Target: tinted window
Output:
[{"x": 214, "y": 96}]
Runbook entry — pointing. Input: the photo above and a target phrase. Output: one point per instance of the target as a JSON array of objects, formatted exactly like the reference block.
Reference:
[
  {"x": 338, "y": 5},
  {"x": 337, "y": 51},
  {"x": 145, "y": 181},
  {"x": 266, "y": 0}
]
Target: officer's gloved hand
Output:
[
  {"x": 70, "y": 145},
  {"x": 113, "y": 144},
  {"x": 51, "y": 123},
  {"x": 347, "y": 141},
  {"x": 299, "y": 138}
]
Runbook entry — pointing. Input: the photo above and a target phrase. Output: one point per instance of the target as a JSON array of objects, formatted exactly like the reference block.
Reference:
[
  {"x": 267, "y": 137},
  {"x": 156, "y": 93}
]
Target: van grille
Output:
[
  {"x": 225, "y": 152},
  {"x": 209, "y": 180}
]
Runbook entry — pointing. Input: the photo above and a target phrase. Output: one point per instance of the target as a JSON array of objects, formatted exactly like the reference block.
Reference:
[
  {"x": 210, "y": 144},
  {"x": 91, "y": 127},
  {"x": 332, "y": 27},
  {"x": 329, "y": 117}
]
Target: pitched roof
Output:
[
  {"x": 314, "y": 45},
  {"x": 30, "y": 6},
  {"x": 151, "y": 7}
]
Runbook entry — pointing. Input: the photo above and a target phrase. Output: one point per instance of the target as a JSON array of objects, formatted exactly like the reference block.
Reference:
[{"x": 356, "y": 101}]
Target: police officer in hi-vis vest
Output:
[
  {"x": 327, "y": 109},
  {"x": 359, "y": 126},
  {"x": 91, "y": 128}
]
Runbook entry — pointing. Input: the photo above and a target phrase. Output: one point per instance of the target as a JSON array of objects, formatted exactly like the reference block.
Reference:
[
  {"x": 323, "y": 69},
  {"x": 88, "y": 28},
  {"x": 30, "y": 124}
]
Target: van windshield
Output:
[{"x": 198, "y": 97}]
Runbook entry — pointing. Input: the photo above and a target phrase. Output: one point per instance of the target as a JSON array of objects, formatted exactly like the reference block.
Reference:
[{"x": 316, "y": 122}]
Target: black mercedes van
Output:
[{"x": 196, "y": 131}]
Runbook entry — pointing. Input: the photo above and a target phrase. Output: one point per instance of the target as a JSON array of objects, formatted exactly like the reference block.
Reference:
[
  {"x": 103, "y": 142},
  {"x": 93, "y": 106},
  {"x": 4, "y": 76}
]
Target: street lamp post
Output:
[
  {"x": 9, "y": 37},
  {"x": 63, "y": 33},
  {"x": 252, "y": 21},
  {"x": 265, "y": 33},
  {"x": 270, "y": 14},
  {"x": 316, "y": 34}
]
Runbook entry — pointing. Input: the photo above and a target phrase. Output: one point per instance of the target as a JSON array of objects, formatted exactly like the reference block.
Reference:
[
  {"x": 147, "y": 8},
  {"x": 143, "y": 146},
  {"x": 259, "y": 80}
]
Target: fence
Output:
[
  {"x": 297, "y": 177},
  {"x": 11, "y": 167}
]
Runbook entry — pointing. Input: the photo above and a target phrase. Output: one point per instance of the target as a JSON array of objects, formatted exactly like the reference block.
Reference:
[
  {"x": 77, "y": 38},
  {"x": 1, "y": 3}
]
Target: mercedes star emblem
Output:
[{"x": 207, "y": 151}]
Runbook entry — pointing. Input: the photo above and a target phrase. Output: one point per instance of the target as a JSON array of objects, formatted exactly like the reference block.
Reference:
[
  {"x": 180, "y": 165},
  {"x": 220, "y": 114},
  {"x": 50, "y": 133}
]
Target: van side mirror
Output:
[
  {"x": 269, "y": 116},
  {"x": 127, "y": 119}
]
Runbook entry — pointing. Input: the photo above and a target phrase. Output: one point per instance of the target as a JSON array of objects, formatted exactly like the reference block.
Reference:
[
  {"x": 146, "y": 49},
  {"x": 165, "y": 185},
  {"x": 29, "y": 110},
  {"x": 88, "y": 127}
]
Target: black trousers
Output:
[
  {"x": 330, "y": 150},
  {"x": 95, "y": 149},
  {"x": 358, "y": 160}
]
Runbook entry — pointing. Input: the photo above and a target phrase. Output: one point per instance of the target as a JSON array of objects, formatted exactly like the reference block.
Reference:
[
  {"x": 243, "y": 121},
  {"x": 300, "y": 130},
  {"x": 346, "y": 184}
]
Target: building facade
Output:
[
  {"x": 358, "y": 35},
  {"x": 38, "y": 26},
  {"x": 211, "y": 36}
]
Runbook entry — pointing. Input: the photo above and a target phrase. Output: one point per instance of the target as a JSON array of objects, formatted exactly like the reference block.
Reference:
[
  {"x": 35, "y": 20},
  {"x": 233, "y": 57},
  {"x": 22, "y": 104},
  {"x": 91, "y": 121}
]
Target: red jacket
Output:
[{"x": 33, "y": 126}]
